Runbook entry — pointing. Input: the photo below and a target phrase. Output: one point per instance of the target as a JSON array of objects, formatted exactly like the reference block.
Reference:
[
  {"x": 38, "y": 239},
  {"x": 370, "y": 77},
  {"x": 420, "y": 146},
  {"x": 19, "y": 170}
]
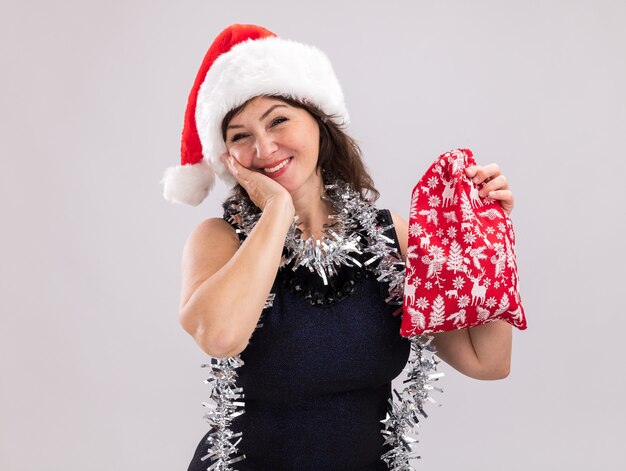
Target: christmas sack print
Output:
[{"x": 460, "y": 266}]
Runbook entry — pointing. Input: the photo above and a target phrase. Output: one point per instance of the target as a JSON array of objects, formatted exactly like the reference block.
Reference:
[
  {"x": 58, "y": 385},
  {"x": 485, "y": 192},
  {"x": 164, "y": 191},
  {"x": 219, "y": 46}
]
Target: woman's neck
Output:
[{"x": 311, "y": 210}]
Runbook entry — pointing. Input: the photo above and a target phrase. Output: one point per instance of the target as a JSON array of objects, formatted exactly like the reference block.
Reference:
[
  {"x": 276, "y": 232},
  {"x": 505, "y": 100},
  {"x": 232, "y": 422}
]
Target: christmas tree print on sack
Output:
[{"x": 461, "y": 269}]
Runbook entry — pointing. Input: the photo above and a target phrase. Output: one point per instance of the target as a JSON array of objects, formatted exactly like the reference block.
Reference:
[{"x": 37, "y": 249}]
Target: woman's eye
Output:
[
  {"x": 236, "y": 137},
  {"x": 278, "y": 120}
]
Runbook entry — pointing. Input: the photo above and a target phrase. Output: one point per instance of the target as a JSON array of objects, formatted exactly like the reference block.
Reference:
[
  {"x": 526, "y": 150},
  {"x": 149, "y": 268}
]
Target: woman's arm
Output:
[
  {"x": 482, "y": 352},
  {"x": 224, "y": 285}
]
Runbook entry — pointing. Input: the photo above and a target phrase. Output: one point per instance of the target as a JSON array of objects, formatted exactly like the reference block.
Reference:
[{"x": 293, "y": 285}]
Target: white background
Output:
[{"x": 97, "y": 374}]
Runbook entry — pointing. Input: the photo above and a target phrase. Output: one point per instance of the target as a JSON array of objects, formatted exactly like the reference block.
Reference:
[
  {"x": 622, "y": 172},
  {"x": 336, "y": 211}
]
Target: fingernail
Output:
[
  {"x": 231, "y": 161},
  {"x": 476, "y": 179}
]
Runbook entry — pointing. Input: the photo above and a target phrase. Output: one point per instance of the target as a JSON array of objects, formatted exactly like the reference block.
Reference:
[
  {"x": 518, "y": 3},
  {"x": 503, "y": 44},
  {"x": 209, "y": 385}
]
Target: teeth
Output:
[{"x": 278, "y": 167}]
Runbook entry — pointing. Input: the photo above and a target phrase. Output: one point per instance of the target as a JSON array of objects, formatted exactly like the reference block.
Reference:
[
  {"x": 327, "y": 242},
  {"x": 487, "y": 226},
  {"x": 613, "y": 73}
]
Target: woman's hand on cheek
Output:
[
  {"x": 495, "y": 185},
  {"x": 260, "y": 188}
]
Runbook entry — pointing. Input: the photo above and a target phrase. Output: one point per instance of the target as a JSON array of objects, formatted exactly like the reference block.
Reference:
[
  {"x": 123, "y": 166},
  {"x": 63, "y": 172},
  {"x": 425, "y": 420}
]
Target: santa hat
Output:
[
  {"x": 461, "y": 269},
  {"x": 243, "y": 62}
]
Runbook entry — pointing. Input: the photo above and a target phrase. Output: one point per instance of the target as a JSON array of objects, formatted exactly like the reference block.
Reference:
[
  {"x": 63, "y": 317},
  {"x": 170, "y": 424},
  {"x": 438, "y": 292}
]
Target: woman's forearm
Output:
[
  {"x": 492, "y": 344},
  {"x": 482, "y": 352},
  {"x": 225, "y": 308}
]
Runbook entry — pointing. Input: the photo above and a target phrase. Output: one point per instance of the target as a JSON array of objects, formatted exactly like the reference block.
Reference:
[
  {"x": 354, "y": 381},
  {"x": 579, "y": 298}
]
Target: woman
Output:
[{"x": 310, "y": 321}]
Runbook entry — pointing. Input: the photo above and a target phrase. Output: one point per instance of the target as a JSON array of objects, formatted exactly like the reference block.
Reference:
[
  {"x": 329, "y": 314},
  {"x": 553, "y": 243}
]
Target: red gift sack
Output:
[{"x": 460, "y": 267}]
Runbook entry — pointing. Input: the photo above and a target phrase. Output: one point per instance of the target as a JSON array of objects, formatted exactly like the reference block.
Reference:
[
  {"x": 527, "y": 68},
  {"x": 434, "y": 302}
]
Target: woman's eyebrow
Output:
[
  {"x": 272, "y": 108},
  {"x": 263, "y": 116}
]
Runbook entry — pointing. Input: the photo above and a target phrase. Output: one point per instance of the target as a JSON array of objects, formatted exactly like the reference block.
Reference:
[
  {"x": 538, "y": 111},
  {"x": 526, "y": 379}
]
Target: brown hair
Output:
[{"x": 339, "y": 154}]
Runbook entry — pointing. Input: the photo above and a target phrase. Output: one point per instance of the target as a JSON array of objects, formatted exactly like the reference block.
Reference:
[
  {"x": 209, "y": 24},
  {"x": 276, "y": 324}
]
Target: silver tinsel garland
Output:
[
  {"x": 323, "y": 257},
  {"x": 403, "y": 415},
  {"x": 225, "y": 406}
]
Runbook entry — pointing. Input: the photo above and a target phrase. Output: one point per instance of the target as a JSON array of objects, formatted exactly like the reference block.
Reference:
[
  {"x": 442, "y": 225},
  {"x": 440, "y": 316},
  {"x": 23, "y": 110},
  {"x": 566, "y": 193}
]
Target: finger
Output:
[
  {"x": 486, "y": 173},
  {"x": 235, "y": 169},
  {"x": 504, "y": 196},
  {"x": 224, "y": 160},
  {"x": 232, "y": 166},
  {"x": 470, "y": 171},
  {"x": 498, "y": 183},
  {"x": 505, "y": 199},
  {"x": 244, "y": 176}
]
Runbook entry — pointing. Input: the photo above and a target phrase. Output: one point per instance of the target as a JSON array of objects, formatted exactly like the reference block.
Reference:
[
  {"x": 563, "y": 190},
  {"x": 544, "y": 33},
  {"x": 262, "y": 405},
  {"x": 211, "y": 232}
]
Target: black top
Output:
[{"x": 317, "y": 375}]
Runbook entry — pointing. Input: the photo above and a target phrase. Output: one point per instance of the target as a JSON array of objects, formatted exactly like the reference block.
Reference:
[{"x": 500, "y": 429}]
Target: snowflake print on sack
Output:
[
  {"x": 458, "y": 282},
  {"x": 463, "y": 301},
  {"x": 415, "y": 230},
  {"x": 422, "y": 303},
  {"x": 482, "y": 313},
  {"x": 461, "y": 269},
  {"x": 469, "y": 238},
  {"x": 434, "y": 201}
]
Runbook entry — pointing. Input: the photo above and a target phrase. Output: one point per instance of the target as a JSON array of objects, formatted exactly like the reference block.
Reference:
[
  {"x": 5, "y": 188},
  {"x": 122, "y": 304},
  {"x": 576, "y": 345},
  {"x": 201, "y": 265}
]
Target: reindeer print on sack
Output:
[
  {"x": 478, "y": 290},
  {"x": 461, "y": 269},
  {"x": 448, "y": 192}
]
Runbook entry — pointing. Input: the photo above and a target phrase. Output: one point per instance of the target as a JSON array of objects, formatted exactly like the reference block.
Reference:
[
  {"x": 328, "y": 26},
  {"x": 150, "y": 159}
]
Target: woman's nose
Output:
[{"x": 265, "y": 146}]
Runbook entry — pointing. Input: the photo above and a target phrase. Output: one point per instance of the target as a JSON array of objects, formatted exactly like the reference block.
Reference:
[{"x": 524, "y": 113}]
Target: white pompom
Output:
[{"x": 188, "y": 184}]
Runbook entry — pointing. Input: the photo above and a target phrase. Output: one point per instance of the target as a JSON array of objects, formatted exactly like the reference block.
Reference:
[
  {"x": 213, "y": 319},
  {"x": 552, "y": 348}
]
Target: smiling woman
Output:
[
  {"x": 293, "y": 291},
  {"x": 338, "y": 153},
  {"x": 269, "y": 135}
]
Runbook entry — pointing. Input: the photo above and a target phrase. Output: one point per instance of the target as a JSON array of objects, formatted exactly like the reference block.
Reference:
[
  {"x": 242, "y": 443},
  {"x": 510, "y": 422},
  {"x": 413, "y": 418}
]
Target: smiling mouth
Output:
[{"x": 278, "y": 167}]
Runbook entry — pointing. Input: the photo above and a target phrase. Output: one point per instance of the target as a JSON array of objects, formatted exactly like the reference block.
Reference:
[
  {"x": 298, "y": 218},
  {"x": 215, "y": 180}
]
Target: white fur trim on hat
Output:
[
  {"x": 188, "y": 184},
  {"x": 269, "y": 66}
]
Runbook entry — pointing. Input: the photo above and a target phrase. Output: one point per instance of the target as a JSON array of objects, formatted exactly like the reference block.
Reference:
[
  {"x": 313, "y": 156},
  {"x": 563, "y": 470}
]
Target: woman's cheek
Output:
[{"x": 237, "y": 152}]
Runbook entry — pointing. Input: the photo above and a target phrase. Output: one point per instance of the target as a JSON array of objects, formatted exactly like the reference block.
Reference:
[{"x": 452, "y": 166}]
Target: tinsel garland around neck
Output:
[
  {"x": 353, "y": 236},
  {"x": 325, "y": 271}
]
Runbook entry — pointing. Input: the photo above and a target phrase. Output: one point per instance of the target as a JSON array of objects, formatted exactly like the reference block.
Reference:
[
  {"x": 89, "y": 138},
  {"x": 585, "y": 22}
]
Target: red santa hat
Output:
[
  {"x": 461, "y": 269},
  {"x": 243, "y": 62}
]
